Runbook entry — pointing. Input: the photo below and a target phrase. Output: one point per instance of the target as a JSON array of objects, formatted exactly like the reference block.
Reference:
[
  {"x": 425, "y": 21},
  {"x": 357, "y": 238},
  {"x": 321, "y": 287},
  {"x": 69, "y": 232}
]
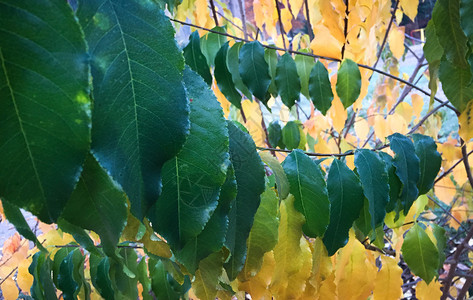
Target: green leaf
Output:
[
  {"x": 45, "y": 108},
  {"x": 206, "y": 280},
  {"x": 162, "y": 281},
  {"x": 308, "y": 186},
  {"x": 123, "y": 274},
  {"x": 224, "y": 77},
  {"x": 137, "y": 81},
  {"x": 466, "y": 11},
  {"x": 103, "y": 200},
  {"x": 374, "y": 180},
  {"x": 407, "y": 168},
  {"x": 429, "y": 161},
  {"x": 363, "y": 223},
  {"x": 420, "y": 253},
  {"x": 212, "y": 238},
  {"x": 100, "y": 276},
  {"x": 233, "y": 66},
  {"x": 291, "y": 135},
  {"x": 263, "y": 235},
  {"x": 320, "y": 88},
  {"x": 287, "y": 80},
  {"x": 79, "y": 235},
  {"x": 271, "y": 58},
  {"x": 274, "y": 134},
  {"x": 249, "y": 173},
  {"x": 456, "y": 84},
  {"x": 195, "y": 59},
  {"x": 282, "y": 184},
  {"x": 70, "y": 277},
  {"x": 254, "y": 70},
  {"x": 433, "y": 52},
  {"x": 211, "y": 43},
  {"x": 304, "y": 66},
  {"x": 145, "y": 280},
  {"x": 395, "y": 185},
  {"x": 346, "y": 201},
  {"x": 441, "y": 242},
  {"x": 191, "y": 183},
  {"x": 14, "y": 216},
  {"x": 348, "y": 82},
  {"x": 41, "y": 269}
]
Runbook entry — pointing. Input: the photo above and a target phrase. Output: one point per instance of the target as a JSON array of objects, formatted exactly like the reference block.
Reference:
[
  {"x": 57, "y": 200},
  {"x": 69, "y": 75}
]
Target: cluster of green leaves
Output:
[
  {"x": 250, "y": 69},
  {"x": 102, "y": 124},
  {"x": 449, "y": 48}
]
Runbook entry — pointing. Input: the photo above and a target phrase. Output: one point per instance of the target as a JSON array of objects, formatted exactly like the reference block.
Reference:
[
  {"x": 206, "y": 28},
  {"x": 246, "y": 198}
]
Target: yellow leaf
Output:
[
  {"x": 258, "y": 285},
  {"x": 388, "y": 280},
  {"x": 362, "y": 128},
  {"x": 9, "y": 289},
  {"x": 405, "y": 110},
  {"x": 417, "y": 104},
  {"x": 291, "y": 258},
  {"x": 466, "y": 122},
  {"x": 286, "y": 17},
  {"x": 397, "y": 124},
  {"x": 221, "y": 98},
  {"x": 430, "y": 291},
  {"x": 396, "y": 41},
  {"x": 380, "y": 129},
  {"x": 338, "y": 114},
  {"x": 324, "y": 43},
  {"x": 253, "y": 121},
  {"x": 333, "y": 20},
  {"x": 445, "y": 190},
  {"x": 24, "y": 278},
  {"x": 201, "y": 12},
  {"x": 409, "y": 7}
]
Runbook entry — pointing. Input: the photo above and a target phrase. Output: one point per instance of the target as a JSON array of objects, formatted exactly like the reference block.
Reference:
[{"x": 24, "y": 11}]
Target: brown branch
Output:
[
  {"x": 309, "y": 25},
  {"x": 453, "y": 266},
  {"x": 350, "y": 124},
  {"x": 281, "y": 27},
  {"x": 214, "y": 12},
  {"x": 345, "y": 29},
  {"x": 415, "y": 127},
  {"x": 243, "y": 18},
  {"x": 452, "y": 167},
  {"x": 386, "y": 34},
  {"x": 447, "y": 212},
  {"x": 466, "y": 163},
  {"x": 320, "y": 57},
  {"x": 466, "y": 285}
]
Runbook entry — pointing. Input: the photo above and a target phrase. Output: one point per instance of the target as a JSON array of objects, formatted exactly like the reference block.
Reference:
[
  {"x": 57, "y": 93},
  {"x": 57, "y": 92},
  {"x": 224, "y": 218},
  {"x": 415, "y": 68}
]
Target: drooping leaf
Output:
[
  {"x": 263, "y": 235},
  {"x": 233, "y": 68},
  {"x": 195, "y": 59},
  {"x": 212, "y": 238},
  {"x": 271, "y": 58},
  {"x": 395, "y": 185},
  {"x": 191, "y": 183},
  {"x": 374, "y": 180},
  {"x": 45, "y": 108},
  {"x": 144, "y": 279},
  {"x": 456, "y": 83},
  {"x": 249, "y": 173},
  {"x": 348, "y": 82},
  {"x": 274, "y": 134},
  {"x": 346, "y": 201},
  {"x": 224, "y": 77},
  {"x": 287, "y": 80},
  {"x": 282, "y": 183},
  {"x": 211, "y": 43},
  {"x": 388, "y": 282},
  {"x": 41, "y": 269},
  {"x": 164, "y": 286},
  {"x": 100, "y": 276},
  {"x": 304, "y": 66},
  {"x": 103, "y": 200},
  {"x": 407, "y": 168},
  {"x": 441, "y": 242},
  {"x": 207, "y": 276},
  {"x": 420, "y": 253},
  {"x": 123, "y": 274},
  {"x": 466, "y": 10},
  {"x": 291, "y": 135},
  {"x": 429, "y": 161},
  {"x": 79, "y": 235},
  {"x": 308, "y": 186},
  {"x": 15, "y": 217},
  {"x": 433, "y": 52},
  {"x": 71, "y": 275},
  {"x": 363, "y": 223},
  {"x": 320, "y": 88},
  {"x": 137, "y": 72},
  {"x": 254, "y": 70}
]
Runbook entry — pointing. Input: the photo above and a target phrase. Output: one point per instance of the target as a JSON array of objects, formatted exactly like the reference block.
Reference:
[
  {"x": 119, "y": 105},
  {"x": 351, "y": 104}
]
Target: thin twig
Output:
[
  {"x": 413, "y": 38},
  {"x": 214, "y": 11},
  {"x": 243, "y": 18},
  {"x": 345, "y": 29},
  {"x": 321, "y": 57},
  {"x": 447, "y": 212},
  {"x": 415, "y": 127},
  {"x": 466, "y": 285},
  {"x": 281, "y": 27},
  {"x": 452, "y": 167},
  {"x": 350, "y": 124},
  {"x": 386, "y": 34},
  {"x": 410, "y": 50},
  {"x": 309, "y": 25},
  {"x": 466, "y": 163}
]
